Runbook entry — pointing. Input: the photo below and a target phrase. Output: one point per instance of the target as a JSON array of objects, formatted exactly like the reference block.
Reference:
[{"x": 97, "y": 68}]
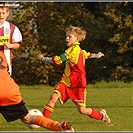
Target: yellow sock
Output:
[{"x": 47, "y": 123}]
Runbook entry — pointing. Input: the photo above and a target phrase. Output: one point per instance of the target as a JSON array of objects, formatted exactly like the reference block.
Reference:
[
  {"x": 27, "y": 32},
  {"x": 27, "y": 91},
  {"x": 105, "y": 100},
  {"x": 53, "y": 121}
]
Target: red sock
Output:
[
  {"x": 96, "y": 115},
  {"x": 47, "y": 110}
]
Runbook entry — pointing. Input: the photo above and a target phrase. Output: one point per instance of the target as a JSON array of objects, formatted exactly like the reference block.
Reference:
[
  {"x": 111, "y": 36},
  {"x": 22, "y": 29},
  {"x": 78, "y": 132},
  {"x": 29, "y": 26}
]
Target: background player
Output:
[{"x": 10, "y": 35}]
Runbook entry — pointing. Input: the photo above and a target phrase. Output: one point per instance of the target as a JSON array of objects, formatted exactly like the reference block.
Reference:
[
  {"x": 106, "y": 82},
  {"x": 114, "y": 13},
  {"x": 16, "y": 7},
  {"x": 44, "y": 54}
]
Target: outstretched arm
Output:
[
  {"x": 94, "y": 55},
  {"x": 44, "y": 59},
  {"x": 57, "y": 60}
]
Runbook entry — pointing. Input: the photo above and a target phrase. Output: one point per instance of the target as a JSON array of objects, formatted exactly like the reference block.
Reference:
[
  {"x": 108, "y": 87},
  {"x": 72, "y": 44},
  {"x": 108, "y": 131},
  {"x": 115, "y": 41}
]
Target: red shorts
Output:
[{"x": 77, "y": 95}]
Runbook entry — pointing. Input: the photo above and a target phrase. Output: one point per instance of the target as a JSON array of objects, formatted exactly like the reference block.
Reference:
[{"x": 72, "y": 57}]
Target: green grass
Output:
[{"x": 115, "y": 97}]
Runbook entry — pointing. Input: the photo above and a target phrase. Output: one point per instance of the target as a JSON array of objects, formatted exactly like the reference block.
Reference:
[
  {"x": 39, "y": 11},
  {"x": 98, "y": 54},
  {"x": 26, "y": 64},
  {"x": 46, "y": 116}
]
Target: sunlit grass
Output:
[{"x": 114, "y": 97}]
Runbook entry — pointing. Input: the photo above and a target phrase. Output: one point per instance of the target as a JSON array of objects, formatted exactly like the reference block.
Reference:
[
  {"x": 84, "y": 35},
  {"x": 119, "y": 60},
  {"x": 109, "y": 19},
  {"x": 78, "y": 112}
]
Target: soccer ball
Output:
[{"x": 34, "y": 112}]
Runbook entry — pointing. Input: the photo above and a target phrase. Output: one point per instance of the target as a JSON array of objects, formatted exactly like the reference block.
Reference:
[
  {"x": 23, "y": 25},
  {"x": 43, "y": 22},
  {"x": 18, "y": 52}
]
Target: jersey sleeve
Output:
[
  {"x": 58, "y": 60},
  {"x": 17, "y": 36},
  {"x": 70, "y": 54},
  {"x": 87, "y": 54}
]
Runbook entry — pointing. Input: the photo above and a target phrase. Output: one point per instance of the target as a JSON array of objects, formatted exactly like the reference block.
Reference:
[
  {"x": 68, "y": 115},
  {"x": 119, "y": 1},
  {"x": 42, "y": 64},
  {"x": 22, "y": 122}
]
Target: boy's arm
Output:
[
  {"x": 12, "y": 46},
  {"x": 57, "y": 60},
  {"x": 95, "y": 55},
  {"x": 47, "y": 59},
  {"x": 44, "y": 59}
]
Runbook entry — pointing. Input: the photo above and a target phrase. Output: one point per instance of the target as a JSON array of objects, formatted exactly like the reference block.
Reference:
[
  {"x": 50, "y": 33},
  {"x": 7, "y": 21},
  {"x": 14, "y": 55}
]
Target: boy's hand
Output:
[
  {"x": 12, "y": 46},
  {"x": 8, "y": 45},
  {"x": 39, "y": 56},
  {"x": 100, "y": 54}
]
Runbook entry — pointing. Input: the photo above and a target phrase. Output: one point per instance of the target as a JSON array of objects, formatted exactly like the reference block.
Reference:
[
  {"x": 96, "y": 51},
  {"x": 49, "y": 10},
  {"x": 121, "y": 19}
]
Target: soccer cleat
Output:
[
  {"x": 66, "y": 126},
  {"x": 105, "y": 118}
]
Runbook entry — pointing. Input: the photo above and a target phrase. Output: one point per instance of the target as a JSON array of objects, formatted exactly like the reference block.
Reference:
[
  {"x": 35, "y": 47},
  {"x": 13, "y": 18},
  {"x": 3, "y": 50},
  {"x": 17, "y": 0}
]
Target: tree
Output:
[
  {"x": 43, "y": 27},
  {"x": 120, "y": 14}
]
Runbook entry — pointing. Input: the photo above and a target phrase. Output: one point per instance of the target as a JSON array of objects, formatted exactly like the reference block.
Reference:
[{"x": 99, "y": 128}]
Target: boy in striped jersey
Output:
[
  {"x": 72, "y": 84},
  {"x": 10, "y": 35}
]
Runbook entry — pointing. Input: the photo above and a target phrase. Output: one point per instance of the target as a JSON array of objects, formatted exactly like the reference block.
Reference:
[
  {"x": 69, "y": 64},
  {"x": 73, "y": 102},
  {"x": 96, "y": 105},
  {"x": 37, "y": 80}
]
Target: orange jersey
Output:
[
  {"x": 74, "y": 73},
  {"x": 9, "y": 90}
]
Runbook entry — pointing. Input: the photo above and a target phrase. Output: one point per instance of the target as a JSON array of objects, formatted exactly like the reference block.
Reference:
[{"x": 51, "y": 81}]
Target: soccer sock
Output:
[
  {"x": 96, "y": 115},
  {"x": 47, "y": 110},
  {"x": 47, "y": 123}
]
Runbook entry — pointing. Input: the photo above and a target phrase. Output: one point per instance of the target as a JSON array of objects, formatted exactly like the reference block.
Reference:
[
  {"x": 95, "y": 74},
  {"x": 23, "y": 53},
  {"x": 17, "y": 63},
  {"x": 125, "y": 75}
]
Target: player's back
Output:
[
  {"x": 3, "y": 65},
  {"x": 9, "y": 90}
]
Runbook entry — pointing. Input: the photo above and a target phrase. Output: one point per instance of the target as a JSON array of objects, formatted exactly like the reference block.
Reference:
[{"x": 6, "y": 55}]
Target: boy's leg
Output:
[
  {"x": 91, "y": 112},
  {"x": 49, "y": 107},
  {"x": 47, "y": 110},
  {"x": 96, "y": 114},
  {"x": 53, "y": 125},
  {"x": 47, "y": 123},
  {"x": 100, "y": 115},
  {"x": 58, "y": 93}
]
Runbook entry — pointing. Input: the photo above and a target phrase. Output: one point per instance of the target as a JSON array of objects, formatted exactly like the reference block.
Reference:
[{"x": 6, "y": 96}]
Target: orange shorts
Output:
[{"x": 77, "y": 95}]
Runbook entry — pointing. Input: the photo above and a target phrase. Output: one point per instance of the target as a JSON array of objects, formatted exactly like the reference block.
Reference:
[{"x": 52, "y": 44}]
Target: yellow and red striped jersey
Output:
[{"x": 74, "y": 74}]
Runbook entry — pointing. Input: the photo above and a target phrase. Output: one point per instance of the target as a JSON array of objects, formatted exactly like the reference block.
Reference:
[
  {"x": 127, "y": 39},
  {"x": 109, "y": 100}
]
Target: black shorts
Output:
[{"x": 14, "y": 112}]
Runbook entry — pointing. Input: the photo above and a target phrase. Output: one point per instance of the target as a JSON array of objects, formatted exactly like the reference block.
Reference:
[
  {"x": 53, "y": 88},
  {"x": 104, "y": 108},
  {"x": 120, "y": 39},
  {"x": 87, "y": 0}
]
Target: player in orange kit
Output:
[
  {"x": 12, "y": 106},
  {"x": 73, "y": 81}
]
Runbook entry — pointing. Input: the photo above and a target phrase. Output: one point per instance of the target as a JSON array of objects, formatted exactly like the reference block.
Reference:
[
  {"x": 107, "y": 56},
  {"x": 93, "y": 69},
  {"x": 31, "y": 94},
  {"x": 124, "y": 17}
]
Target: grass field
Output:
[{"x": 115, "y": 97}]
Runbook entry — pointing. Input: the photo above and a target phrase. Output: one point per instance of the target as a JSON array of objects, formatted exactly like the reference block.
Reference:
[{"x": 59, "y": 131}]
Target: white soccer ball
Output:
[{"x": 34, "y": 112}]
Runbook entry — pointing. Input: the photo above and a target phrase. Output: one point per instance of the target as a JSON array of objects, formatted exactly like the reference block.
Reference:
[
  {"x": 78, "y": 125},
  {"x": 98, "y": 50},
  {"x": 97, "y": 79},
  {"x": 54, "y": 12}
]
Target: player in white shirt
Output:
[{"x": 10, "y": 35}]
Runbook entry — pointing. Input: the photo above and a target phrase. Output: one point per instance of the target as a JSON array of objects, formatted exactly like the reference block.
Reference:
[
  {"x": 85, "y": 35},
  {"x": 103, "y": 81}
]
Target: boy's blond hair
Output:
[
  {"x": 77, "y": 31},
  {"x": 3, "y": 5}
]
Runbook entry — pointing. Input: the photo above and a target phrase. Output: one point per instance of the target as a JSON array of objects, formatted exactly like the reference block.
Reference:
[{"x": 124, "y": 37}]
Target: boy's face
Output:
[
  {"x": 3, "y": 15},
  {"x": 70, "y": 39}
]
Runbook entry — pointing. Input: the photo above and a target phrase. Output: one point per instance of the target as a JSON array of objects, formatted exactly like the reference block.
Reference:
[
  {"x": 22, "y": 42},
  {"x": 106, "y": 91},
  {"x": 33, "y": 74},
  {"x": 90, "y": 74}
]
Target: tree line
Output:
[{"x": 109, "y": 30}]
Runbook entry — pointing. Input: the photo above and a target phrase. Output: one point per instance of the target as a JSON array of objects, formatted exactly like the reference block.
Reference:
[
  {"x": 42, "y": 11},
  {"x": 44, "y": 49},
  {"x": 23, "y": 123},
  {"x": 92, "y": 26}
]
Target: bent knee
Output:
[
  {"x": 84, "y": 110},
  {"x": 28, "y": 119},
  {"x": 81, "y": 110}
]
